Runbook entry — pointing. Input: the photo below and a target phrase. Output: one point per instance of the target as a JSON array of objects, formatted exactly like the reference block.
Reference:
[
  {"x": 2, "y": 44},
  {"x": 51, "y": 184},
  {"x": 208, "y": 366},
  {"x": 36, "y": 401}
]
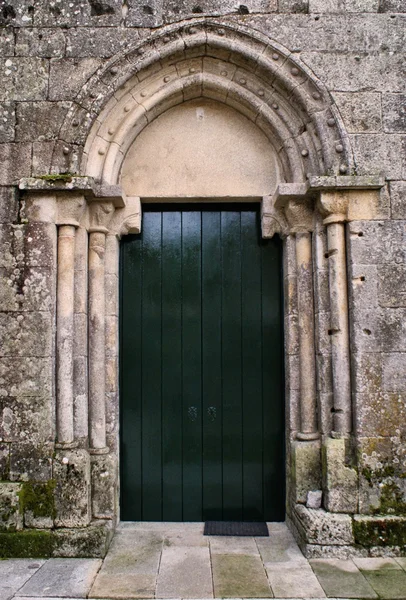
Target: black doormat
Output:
[{"x": 252, "y": 529}]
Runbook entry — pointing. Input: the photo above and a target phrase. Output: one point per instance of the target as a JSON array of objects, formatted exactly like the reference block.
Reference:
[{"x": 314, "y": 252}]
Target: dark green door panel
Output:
[{"x": 202, "y": 414}]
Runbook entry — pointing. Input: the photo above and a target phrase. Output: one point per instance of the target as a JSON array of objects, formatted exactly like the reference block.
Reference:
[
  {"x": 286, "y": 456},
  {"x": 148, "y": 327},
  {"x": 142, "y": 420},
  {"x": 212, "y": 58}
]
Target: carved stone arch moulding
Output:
[{"x": 228, "y": 63}]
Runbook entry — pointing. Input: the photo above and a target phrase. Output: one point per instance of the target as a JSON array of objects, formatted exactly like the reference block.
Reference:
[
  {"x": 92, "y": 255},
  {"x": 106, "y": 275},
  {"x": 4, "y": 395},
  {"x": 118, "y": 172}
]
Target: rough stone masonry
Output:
[{"x": 325, "y": 80}]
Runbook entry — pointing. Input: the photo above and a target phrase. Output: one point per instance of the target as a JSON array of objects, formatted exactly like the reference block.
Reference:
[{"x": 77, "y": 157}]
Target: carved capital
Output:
[
  {"x": 333, "y": 205},
  {"x": 128, "y": 220},
  {"x": 299, "y": 215},
  {"x": 272, "y": 219},
  {"x": 70, "y": 208},
  {"x": 100, "y": 214}
]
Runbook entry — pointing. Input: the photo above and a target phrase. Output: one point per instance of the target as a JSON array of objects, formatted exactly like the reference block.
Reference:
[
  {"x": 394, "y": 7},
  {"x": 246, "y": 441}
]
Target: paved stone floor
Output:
[{"x": 175, "y": 560}]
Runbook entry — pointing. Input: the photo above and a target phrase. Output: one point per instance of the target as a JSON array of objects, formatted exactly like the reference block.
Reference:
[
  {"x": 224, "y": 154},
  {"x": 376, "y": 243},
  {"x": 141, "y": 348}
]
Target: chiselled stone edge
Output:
[
  {"x": 355, "y": 182},
  {"x": 90, "y": 188},
  {"x": 373, "y": 536},
  {"x": 86, "y": 542}
]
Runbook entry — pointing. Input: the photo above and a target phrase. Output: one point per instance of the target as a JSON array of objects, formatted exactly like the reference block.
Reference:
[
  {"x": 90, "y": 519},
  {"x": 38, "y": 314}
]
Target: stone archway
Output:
[{"x": 314, "y": 194}]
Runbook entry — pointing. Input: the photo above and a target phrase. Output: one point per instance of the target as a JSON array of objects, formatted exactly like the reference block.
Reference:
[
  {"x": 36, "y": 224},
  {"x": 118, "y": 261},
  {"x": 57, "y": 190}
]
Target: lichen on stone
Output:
[{"x": 38, "y": 498}]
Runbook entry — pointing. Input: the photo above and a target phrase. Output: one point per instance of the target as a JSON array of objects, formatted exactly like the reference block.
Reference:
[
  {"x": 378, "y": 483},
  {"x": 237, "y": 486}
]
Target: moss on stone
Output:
[
  {"x": 380, "y": 532},
  {"x": 38, "y": 498},
  {"x": 30, "y": 543},
  {"x": 57, "y": 178}
]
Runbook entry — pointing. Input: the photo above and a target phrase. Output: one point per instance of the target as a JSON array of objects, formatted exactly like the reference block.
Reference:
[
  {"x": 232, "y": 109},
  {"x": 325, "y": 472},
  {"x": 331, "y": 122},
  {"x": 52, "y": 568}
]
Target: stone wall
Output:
[{"x": 49, "y": 50}]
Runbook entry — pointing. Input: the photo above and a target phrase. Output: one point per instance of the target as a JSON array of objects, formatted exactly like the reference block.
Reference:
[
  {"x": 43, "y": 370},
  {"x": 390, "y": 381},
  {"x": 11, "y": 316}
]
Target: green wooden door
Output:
[{"x": 202, "y": 415}]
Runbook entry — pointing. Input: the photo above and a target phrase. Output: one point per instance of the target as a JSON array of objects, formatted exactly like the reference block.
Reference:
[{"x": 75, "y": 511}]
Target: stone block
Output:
[
  {"x": 17, "y": 13},
  {"x": 4, "y": 461},
  {"x": 25, "y": 289},
  {"x": 67, "y": 76},
  {"x": 23, "y": 79},
  {"x": 398, "y": 199},
  {"x": 42, "y": 153},
  {"x": 363, "y": 286},
  {"x": 354, "y": 72},
  {"x": 29, "y": 462},
  {"x": 326, "y": 6},
  {"x": 324, "y": 528},
  {"x": 37, "y": 504},
  {"x": 362, "y": 246},
  {"x": 394, "y": 113},
  {"x": 314, "y": 499},
  {"x": 23, "y": 334},
  {"x": 71, "y": 469},
  {"x": 7, "y": 122},
  {"x": 306, "y": 469},
  {"x": 392, "y": 285},
  {"x": 27, "y": 418},
  {"x": 362, "y": 6},
  {"x": 394, "y": 372},
  {"x": 15, "y": 162},
  {"x": 44, "y": 42},
  {"x": 293, "y": 6},
  {"x": 99, "y": 13},
  {"x": 361, "y": 111},
  {"x": 392, "y": 6},
  {"x": 9, "y": 204},
  {"x": 85, "y": 542},
  {"x": 25, "y": 377},
  {"x": 6, "y": 42},
  {"x": 104, "y": 485},
  {"x": 39, "y": 121},
  {"x": 378, "y": 153},
  {"x": 380, "y": 414},
  {"x": 340, "y": 480},
  {"x": 10, "y": 515},
  {"x": 367, "y": 372},
  {"x": 85, "y": 42},
  {"x": 379, "y": 531}
]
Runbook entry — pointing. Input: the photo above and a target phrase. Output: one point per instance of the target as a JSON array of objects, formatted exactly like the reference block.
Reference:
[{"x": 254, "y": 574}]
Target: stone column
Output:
[
  {"x": 299, "y": 215},
  {"x": 100, "y": 215},
  {"x": 70, "y": 210},
  {"x": 335, "y": 205}
]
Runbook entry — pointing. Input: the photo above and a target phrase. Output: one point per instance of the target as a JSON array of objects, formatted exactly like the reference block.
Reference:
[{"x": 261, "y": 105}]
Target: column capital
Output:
[
  {"x": 70, "y": 208},
  {"x": 100, "y": 215},
  {"x": 272, "y": 219},
  {"x": 333, "y": 205},
  {"x": 299, "y": 215}
]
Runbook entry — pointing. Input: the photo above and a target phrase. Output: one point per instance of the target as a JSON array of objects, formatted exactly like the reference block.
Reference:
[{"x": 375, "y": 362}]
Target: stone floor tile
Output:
[
  {"x": 184, "y": 572},
  {"x": 63, "y": 577},
  {"x": 232, "y": 545},
  {"x": 341, "y": 578},
  {"x": 159, "y": 527},
  {"x": 277, "y": 527},
  {"x": 376, "y": 564},
  {"x": 296, "y": 582},
  {"x": 15, "y": 573},
  {"x": 132, "y": 556},
  {"x": 186, "y": 539},
  {"x": 239, "y": 576},
  {"x": 389, "y": 584},
  {"x": 402, "y": 562},
  {"x": 280, "y": 548},
  {"x": 130, "y": 585}
]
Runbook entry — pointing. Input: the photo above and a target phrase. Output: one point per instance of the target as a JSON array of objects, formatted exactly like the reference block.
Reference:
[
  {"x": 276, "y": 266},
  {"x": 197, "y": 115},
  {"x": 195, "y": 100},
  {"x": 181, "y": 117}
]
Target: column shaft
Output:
[
  {"x": 342, "y": 418},
  {"x": 308, "y": 399},
  {"x": 97, "y": 401},
  {"x": 64, "y": 328}
]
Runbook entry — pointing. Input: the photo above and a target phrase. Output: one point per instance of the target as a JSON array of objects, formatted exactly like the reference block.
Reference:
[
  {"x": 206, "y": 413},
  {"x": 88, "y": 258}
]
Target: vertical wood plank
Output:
[
  {"x": 191, "y": 364},
  {"x": 211, "y": 366},
  {"x": 231, "y": 361},
  {"x": 151, "y": 368},
  {"x": 171, "y": 366}
]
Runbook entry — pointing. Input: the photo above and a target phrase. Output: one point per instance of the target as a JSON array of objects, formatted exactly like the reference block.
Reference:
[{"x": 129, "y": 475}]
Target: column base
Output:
[
  {"x": 66, "y": 445},
  {"x": 99, "y": 451},
  {"x": 308, "y": 437}
]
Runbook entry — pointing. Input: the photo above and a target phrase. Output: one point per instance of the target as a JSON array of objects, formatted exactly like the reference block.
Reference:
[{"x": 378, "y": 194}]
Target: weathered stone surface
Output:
[
  {"x": 238, "y": 575},
  {"x": 23, "y": 79},
  {"x": 7, "y": 122},
  {"x": 4, "y": 461},
  {"x": 175, "y": 568},
  {"x": 71, "y": 470},
  {"x": 394, "y": 113},
  {"x": 306, "y": 469},
  {"x": 31, "y": 463},
  {"x": 85, "y": 42},
  {"x": 39, "y": 121},
  {"x": 104, "y": 482},
  {"x": 377, "y": 153},
  {"x": 398, "y": 199},
  {"x": 340, "y": 480},
  {"x": 78, "y": 12},
  {"x": 18, "y": 13},
  {"x": 26, "y": 334},
  {"x": 314, "y": 499},
  {"x": 84, "y": 542},
  {"x": 340, "y": 578},
  {"x": 15, "y": 162},
  {"x": 68, "y": 75},
  {"x": 44, "y": 42},
  {"x": 379, "y": 530},
  {"x": 321, "y": 527},
  {"x": 6, "y": 42},
  {"x": 395, "y": 6},
  {"x": 362, "y": 244},
  {"x": 11, "y": 518},
  {"x": 361, "y": 111},
  {"x": 293, "y": 6},
  {"x": 69, "y": 577},
  {"x": 9, "y": 206}
]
